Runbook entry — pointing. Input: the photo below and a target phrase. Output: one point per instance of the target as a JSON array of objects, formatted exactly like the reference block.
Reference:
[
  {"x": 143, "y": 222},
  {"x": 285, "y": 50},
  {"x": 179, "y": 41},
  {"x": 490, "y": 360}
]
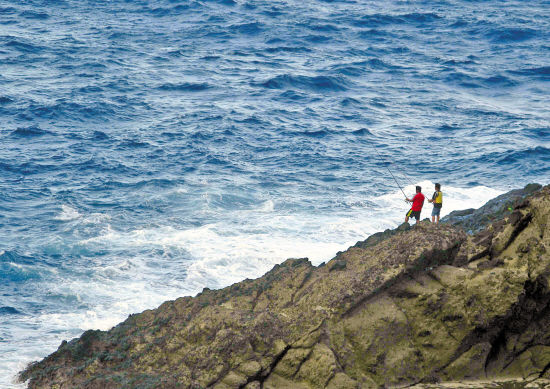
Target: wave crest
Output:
[
  {"x": 312, "y": 83},
  {"x": 186, "y": 87}
]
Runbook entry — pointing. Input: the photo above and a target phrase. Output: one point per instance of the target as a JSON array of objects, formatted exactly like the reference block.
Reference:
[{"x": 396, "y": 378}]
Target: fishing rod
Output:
[{"x": 381, "y": 159}]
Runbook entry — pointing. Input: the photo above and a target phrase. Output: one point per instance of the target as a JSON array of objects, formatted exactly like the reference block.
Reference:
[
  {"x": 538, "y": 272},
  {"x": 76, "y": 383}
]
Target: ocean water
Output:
[{"x": 151, "y": 148}]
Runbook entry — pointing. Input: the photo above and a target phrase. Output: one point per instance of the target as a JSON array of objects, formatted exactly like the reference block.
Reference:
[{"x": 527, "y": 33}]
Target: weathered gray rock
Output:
[{"x": 474, "y": 220}]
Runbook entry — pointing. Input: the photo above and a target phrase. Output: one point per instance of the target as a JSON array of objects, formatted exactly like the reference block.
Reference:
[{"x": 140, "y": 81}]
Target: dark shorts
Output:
[
  {"x": 415, "y": 214},
  {"x": 435, "y": 211}
]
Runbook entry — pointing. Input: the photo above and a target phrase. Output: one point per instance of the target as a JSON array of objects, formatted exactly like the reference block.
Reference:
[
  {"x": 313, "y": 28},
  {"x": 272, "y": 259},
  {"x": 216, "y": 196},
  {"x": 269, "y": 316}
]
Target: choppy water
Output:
[{"x": 152, "y": 148}]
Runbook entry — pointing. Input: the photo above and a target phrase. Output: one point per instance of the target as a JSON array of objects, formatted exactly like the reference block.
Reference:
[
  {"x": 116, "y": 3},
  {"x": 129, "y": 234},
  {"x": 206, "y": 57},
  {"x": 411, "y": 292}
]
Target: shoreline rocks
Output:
[
  {"x": 474, "y": 220},
  {"x": 411, "y": 306}
]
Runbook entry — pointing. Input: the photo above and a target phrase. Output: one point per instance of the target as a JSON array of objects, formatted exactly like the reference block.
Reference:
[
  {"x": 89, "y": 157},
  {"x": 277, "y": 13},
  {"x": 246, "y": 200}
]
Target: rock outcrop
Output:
[
  {"x": 474, "y": 220},
  {"x": 415, "y": 305}
]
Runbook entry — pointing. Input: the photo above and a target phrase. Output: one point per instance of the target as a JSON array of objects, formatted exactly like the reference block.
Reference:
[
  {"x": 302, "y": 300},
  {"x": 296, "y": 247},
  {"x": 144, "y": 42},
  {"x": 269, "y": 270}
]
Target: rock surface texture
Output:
[{"x": 414, "y": 306}]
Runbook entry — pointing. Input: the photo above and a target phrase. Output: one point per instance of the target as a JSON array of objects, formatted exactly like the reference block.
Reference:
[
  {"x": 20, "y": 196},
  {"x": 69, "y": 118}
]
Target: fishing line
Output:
[
  {"x": 407, "y": 178},
  {"x": 380, "y": 157}
]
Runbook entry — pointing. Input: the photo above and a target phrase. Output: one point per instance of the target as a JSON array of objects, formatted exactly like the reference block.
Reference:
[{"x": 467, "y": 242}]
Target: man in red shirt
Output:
[{"x": 417, "y": 203}]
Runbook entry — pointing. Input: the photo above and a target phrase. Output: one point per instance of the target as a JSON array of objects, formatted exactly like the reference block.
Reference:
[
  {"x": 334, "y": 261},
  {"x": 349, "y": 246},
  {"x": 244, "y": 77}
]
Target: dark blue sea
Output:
[{"x": 151, "y": 148}]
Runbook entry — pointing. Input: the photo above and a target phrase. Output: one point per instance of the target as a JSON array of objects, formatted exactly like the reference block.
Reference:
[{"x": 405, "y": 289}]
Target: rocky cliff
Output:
[{"x": 410, "y": 306}]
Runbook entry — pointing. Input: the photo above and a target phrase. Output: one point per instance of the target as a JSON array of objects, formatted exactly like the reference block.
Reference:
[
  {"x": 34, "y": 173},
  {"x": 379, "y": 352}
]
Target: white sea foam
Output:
[
  {"x": 254, "y": 240},
  {"x": 91, "y": 319},
  {"x": 7, "y": 376},
  {"x": 67, "y": 213},
  {"x": 96, "y": 218},
  {"x": 268, "y": 206}
]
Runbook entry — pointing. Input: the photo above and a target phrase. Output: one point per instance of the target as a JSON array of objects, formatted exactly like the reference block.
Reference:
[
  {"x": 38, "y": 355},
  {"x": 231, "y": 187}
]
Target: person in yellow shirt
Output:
[{"x": 437, "y": 200}]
